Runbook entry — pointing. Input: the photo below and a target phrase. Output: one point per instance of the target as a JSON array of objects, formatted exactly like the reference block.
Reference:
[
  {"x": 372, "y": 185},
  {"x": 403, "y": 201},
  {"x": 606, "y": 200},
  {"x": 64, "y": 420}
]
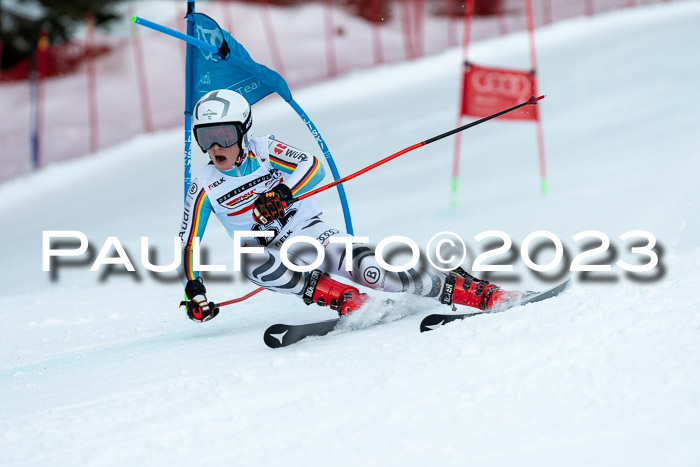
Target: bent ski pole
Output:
[{"x": 531, "y": 101}]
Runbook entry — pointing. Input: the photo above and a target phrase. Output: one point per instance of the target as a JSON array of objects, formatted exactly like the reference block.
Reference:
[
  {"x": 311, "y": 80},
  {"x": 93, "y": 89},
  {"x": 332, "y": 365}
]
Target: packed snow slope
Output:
[{"x": 103, "y": 368}]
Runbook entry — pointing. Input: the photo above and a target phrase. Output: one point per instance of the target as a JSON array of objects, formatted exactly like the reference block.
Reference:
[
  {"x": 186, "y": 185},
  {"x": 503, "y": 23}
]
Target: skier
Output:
[{"x": 246, "y": 186}]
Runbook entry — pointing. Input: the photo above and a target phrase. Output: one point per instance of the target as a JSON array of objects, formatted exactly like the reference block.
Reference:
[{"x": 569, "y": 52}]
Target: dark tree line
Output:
[{"x": 21, "y": 21}]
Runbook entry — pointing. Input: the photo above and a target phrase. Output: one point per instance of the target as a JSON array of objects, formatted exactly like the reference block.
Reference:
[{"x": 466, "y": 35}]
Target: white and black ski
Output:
[
  {"x": 282, "y": 335},
  {"x": 434, "y": 321}
]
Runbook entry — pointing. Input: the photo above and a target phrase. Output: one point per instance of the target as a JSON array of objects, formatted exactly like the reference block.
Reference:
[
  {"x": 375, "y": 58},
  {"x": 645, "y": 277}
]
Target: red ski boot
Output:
[
  {"x": 324, "y": 291},
  {"x": 466, "y": 289}
]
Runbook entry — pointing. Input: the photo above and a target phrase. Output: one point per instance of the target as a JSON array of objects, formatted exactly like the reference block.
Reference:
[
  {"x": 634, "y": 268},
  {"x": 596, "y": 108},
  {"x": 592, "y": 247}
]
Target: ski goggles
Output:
[{"x": 224, "y": 135}]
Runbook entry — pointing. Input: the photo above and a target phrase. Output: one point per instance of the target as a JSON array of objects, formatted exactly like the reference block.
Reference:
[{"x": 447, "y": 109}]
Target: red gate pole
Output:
[
  {"x": 590, "y": 8},
  {"x": 42, "y": 67},
  {"x": 547, "y": 11},
  {"x": 226, "y": 15},
  {"x": 468, "y": 15},
  {"x": 91, "y": 81},
  {"x": 418, "y": 35},
  {"x": 533, "y": 62},
  {"x": 454, "y": 183},
  {"x": 407, "y": 33},
  {"x": 331, "y": 62},
  {"x": 144, "y": 97},
  {"x": 181, "y": 22},
  {"x": 271, "y": 39},
  {"x": 451, "y": 29},
  {"x": 502, "y": 20},
  {"x": 376, "y": 37}
]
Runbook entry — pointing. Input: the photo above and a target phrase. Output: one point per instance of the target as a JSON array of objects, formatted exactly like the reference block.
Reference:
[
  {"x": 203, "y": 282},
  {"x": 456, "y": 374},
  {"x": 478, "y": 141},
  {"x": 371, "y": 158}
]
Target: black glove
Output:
[
  {"x": 270, "y": 205},
  {"x": 198, "y": 309}
]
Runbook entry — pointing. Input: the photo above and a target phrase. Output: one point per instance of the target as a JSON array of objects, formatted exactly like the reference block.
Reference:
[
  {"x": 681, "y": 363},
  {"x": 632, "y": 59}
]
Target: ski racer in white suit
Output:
[{"x": 246, "y": 186}]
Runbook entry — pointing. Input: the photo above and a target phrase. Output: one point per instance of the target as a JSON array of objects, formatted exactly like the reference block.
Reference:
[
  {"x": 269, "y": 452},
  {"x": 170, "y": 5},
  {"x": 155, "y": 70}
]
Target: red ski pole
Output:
[
  {"x": 240, "y": 299},
  {"x": 531, "y": 101}
]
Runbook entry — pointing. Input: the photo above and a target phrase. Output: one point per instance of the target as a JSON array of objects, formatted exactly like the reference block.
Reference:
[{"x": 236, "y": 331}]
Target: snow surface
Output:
[{"x": 102, "y": 368}]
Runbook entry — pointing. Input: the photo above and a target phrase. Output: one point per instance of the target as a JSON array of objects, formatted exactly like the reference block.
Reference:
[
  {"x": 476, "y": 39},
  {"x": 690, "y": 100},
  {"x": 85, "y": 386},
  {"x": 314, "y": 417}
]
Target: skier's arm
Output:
[
  {"x": 306, "y": 171},
  {"x": 195, "y": 215},
  {"x": 194, "y": 220}
]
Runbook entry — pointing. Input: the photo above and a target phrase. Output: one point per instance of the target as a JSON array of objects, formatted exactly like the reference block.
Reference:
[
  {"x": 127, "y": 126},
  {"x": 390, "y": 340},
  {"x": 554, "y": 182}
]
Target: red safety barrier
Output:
[
  {"x": 122, "y": 75},
  {"x": 590, "y": 8},
  {"x": 502, "y": 19},
  {"x": 277, "y": 62},
  {"x": 91, "y": 82},
  {"x": 61, "y": 59},
  {"x": 418, "y": 34},
  {"x": 227, "y": 19},
  {"x": 331, "y": 61},
  {"x": 376, "y": 37},
  {"x": 407, "y": 28},
  {"x": 144, "y": 94},
  {"x": 546, "y": 11}
]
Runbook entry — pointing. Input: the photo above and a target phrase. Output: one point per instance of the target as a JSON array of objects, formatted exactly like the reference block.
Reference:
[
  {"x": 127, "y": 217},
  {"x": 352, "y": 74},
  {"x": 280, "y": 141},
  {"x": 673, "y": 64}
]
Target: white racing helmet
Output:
[{"x": 223, "y": 117}]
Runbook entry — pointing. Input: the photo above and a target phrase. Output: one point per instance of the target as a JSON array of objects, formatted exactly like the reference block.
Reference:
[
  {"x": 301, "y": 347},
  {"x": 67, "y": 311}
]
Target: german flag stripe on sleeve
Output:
[
  {"x": 307, "y": 177},
  {"x": 283, "y": 164},
  {"x": 197, "y": 225}
]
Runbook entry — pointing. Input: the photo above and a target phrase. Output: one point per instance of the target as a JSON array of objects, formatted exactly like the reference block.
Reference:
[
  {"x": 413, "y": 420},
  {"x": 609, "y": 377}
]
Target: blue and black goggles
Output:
[{"x": 223, "y": 134}]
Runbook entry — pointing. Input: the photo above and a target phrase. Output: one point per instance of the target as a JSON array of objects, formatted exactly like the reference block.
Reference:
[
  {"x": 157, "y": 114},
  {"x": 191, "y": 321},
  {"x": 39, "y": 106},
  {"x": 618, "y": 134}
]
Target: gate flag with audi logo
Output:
[{"x": 487, "y": 90}]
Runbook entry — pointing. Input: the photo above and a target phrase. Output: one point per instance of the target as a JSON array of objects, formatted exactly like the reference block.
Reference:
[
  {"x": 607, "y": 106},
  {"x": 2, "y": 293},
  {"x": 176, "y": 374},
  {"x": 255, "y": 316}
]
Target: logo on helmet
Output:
[{"x": 209, "y": 113}]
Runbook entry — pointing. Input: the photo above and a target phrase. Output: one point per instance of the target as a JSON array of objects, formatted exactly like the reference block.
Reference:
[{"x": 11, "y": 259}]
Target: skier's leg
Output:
[
  {"x": 365, "y": 270},
  {"x": 268, "y": 271},
  {"x": 459, "y": 287}
]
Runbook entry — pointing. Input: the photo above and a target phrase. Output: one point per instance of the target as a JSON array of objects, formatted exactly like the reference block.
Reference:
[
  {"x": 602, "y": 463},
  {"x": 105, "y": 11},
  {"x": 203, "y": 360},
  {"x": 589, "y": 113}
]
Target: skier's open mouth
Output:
[{"x": 220, "y": 159}]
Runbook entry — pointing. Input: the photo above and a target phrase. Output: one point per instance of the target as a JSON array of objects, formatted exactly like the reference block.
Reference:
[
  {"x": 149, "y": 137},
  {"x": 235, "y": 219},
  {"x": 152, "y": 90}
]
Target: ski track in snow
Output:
[{"x": 104, "y": 369}]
